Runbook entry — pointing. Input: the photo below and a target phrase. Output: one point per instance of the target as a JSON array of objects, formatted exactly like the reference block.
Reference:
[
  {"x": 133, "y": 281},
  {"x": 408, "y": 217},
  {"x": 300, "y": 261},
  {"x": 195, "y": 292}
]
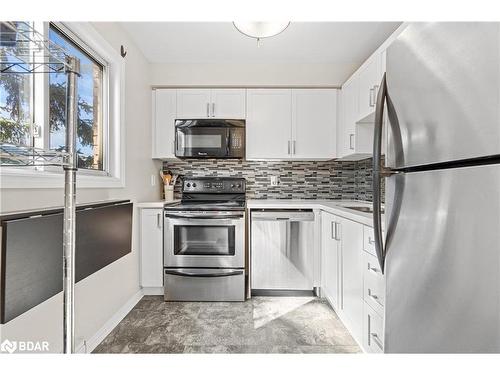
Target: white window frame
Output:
[{"x": 113, "y": 120}]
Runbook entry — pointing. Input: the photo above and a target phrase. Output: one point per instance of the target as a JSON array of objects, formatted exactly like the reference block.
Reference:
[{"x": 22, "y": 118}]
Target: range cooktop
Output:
[
  {"x": 211, "y": 194},
  {"x": 206, "y": 206}
]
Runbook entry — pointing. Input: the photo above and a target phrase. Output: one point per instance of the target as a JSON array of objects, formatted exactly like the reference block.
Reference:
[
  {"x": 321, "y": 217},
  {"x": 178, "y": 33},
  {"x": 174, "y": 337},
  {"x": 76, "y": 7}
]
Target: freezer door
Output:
[
  {"x": 443, "y": 261},
  {"x": 443, "y": 80}
]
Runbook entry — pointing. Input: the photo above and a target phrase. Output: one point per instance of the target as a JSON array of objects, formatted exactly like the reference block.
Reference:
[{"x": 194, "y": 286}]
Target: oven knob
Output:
[
  {"x": 188, "y": 185},
  {"x": 194, "y": 184},
  {"x": 238, "y": 186},
  {"x": 232, "y": 185}
]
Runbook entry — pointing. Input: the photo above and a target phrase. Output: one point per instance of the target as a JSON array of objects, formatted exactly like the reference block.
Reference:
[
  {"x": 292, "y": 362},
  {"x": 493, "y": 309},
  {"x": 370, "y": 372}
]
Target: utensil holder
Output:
[{"x": 168, "y": 191}]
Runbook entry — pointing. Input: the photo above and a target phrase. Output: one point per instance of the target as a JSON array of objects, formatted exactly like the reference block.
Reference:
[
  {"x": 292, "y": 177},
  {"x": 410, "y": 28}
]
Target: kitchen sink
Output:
[{"x": 368, "y": 210}]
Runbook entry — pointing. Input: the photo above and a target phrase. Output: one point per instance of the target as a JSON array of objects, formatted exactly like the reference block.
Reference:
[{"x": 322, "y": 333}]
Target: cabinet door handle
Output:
[
  {"x": 337, "y": 231},
  {"x": 213, "y": 109},
  {"x": 293, "y": 147},
  {"x": 332, "y": 230},
  {"x": 371, "y": 241},
  {"x": 374, "y": 297},
  {"x": 375, "y": 92},
  {"x": 351, "y": 143},
  {"x": 371, "y": 99},
  {"x": 288, "y": 147},
  {"x": 158, "y": 220},
  {"x": 373, "y": 269},
  {"x": 376, "y": 340},
  {"x": 208, "y": 109}
]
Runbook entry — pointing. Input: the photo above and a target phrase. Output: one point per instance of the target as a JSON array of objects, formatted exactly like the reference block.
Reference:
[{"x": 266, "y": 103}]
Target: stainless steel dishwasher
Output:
[{"x": 282, "y": 252}]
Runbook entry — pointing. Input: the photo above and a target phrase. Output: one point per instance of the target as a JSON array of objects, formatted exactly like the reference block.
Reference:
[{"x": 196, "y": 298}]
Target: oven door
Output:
[
  {"x": 201, "y": 142},
  {"x": 204, "y": 239}
]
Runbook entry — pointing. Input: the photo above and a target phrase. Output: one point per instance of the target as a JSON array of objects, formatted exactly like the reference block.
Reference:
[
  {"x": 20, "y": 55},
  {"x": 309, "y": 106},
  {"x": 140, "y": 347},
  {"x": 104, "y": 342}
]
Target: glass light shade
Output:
[{"x": 260, "y": 30}]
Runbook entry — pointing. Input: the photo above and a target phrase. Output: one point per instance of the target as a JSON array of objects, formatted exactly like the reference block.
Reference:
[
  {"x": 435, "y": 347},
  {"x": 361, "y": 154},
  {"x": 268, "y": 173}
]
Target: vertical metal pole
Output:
[{"x": 72, "y": 73}]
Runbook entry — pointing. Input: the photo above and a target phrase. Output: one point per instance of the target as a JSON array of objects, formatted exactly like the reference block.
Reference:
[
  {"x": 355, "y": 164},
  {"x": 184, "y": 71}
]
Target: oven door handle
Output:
[
  {"x": 222, "y": 217},
  {"x": 213, "y": 274}
]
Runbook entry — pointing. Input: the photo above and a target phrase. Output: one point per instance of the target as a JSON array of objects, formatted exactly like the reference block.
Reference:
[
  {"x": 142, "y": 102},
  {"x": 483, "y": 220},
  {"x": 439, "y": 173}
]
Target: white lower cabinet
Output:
[
  {"x": 373, "y": 331},
  {"x": 330, "y": 260},
  {"x": 351, "y": 237},
  {"x": 351, "y": 279},
  {"x": 373, "y": 283},
  {"x": 151, "y": 240}
]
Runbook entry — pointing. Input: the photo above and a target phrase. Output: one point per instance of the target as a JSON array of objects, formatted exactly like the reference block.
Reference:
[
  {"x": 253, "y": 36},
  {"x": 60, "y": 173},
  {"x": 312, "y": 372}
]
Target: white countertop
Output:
[{"x": 334, "y": 206}]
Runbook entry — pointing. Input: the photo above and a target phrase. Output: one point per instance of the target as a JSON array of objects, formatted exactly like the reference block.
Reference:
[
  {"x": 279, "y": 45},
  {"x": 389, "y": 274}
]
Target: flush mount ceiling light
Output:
[{"x": 261, "y": 30}]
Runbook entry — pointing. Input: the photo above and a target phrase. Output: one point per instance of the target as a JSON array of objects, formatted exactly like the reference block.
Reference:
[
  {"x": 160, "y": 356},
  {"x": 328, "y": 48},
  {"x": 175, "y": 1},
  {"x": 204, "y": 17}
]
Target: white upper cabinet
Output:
[
  {"x": 314, "y": 124},
  {"x": 291, "y": 124},
  {"x": 193, "y": 103},
  {"x": 211, "y": 103},
  {"x": 228, "y": 103},
  {"x": 268, "y": 125},
  {"x": 164, "y": 115},
  {"x": 368, "y": 83},
  {"x": 358, "y": 103},
  {"x": 347, "y": 127}
]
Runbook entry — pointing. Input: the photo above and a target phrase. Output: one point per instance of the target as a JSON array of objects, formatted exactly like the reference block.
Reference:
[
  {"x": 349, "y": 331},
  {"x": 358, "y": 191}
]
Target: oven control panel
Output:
[{"x": 214, "y": 185}]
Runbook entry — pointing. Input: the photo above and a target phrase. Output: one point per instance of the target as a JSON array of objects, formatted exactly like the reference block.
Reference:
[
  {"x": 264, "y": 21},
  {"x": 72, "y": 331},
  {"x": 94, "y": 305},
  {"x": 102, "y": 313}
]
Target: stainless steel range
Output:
[{"x": 204, "y": 241}]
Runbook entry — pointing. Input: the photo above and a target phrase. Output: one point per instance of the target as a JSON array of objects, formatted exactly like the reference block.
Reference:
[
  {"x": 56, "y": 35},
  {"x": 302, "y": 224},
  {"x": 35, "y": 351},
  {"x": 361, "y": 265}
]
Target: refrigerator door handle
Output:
[
  {"x": 377, "y": 175},
  {"x": 379, "y": 172}
]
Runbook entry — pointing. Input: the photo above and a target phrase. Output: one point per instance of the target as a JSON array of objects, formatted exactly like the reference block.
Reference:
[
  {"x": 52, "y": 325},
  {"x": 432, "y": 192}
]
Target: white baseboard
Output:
[
  {"x": 152, "y": 291},
  {"x": 94, "y": 341}
]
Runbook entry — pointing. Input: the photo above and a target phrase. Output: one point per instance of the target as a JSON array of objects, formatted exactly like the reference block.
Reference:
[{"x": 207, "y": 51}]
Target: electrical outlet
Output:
[
  {"x": 153, "y": 180},
  {"x": 274, "y": 181}
]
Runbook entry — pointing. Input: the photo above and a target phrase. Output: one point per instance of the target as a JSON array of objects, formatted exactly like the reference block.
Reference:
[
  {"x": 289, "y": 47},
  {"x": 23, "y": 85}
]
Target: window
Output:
[
  {"x": 89, "y": 142},
  {"x": 16, "y": 113},
  {"x": 28, "y": 118},
  {"x": 32, "y": 111}
]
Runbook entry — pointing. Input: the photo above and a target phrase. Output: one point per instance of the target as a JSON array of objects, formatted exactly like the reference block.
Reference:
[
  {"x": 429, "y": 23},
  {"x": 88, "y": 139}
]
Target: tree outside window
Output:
[
  {"x": 89, "y": 126},
  {"x": 16, "y": 108}
]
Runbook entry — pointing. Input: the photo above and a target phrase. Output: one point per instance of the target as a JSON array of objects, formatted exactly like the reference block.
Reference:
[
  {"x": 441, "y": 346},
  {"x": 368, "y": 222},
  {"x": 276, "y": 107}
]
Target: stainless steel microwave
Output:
[{"x": 207, "y": 138}]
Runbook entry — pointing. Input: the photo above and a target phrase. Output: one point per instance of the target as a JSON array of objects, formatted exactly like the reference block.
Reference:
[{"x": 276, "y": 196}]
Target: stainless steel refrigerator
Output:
[{"x": 441, "y": 246}]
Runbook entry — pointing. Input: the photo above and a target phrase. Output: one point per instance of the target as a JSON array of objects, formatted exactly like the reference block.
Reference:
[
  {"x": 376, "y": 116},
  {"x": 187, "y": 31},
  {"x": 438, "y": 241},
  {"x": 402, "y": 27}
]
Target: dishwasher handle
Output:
[{"x": 270, "y": 215}]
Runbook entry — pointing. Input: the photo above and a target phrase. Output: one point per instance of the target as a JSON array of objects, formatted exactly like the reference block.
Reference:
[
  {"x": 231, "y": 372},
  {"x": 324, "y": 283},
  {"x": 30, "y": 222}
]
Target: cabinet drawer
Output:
[
  {"x": 369, "y": 240},
  {"x": 373, "y": 331},
  {"x": 373, "y": 283}
]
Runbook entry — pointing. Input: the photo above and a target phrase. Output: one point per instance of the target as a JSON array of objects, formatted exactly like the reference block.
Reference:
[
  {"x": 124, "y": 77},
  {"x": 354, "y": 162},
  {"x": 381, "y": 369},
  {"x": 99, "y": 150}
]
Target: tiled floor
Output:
[{"x": 259, "y": 325}]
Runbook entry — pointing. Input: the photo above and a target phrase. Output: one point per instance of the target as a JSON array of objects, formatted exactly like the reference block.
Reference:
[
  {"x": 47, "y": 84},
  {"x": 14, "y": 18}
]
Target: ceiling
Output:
[{"x": 217, "y": 42}]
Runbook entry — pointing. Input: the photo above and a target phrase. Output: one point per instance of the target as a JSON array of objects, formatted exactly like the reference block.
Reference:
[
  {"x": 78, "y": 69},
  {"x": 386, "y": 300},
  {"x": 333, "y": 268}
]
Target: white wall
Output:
[
  {"x": 275, "y": 74},
  {"x": 102, "y": 294}
]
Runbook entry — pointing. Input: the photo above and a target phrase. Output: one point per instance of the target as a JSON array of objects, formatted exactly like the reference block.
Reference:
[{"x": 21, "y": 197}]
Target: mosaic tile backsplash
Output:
[{"x": 297, "y": 179}]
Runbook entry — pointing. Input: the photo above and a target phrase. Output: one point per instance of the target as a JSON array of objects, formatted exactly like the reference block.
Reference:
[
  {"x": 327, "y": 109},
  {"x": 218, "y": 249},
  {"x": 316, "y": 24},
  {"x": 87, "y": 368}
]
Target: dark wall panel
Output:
[
  {"x": 103, "y": 235},
  {"x": 31, "y": 263}
]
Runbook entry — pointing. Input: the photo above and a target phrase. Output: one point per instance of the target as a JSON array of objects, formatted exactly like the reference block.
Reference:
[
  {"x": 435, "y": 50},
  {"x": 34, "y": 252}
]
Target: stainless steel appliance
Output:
[
  {"x": 223, "y": 139},
  {"x": 204, "y": 241},
  {"x": 441, "y": 253},
  {"x": 282, "y": 245}
]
